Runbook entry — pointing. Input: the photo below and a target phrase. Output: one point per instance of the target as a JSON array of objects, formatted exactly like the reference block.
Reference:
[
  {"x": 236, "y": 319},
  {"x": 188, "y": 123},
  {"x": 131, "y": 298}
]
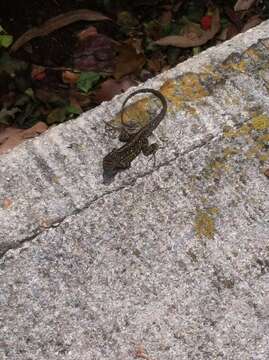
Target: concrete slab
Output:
[{"x": 168, "y": 262}]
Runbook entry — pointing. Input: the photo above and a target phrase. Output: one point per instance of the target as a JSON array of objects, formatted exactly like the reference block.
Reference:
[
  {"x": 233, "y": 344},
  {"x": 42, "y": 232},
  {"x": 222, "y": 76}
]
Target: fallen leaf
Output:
[
  {"x": 56, "y": 116},
  {"x": 38, "y": 72},
  {"x": 153, "y": 29},
  {"x": 8, "y": 132},
  {"x": 51, "y": 95},
  {"x": 87, "y": 80},
  {"x": 166, "y": 17},
  {"x": 70, "y": 77},
  {"x": 35, "y": 130},
  {"x": 111, "y": 87},
  {"x": 154, "y": 65},
  {"x": 128, "y": 61},
  {"x": 243, "y": 5},
  {"x": 73, "y": 110},
  {"x": 6, "y": 114},
  {"x": 95, "y": 53},
  {"x": 252, "y": 21},
  {"x": 11, "y": 65},
  {"x": 6, "y": 40},
  {"x": 75, "y": 104},
  {"x": 56, "y": 23},
  {"x": 177, "y": 5},
  {"x": 7, "y": 100},
  {"x": 136, "y": 43},
  {"x": 88, "y": 32},
  {"x": 12, "y": 137},
  {"x": 193, "y": 39},
  {"x": 126, "y": 21},
  {"x": 233, "y": 17}
]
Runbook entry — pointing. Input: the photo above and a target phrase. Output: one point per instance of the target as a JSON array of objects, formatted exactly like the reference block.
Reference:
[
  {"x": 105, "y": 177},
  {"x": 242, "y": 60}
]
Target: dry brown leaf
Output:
[
  {"x": 38, "y": 72},
  {"x": 166, "y": 17},
  {"x": 252, "y": 21},
  {"x": 136, "y": 43},
  {"x": 88, "y": 32},
  {"x": 12, "y": 137},
  {"x": 69, "y": 77},
  {"x": 10, "y": 143},
  {"x": 8, "y": 132},
  {"x": 128, "y": 61},
  {"x": 154, "y": 65},
  {"x": 243, "y": 5},
  {"x": 193, "y": 39},
  {"x": 56, "y": 23},
  {"x": 95, "y": 53},
  {"x": 35, "y": 130},
  {"x": 110, "y": 87}
]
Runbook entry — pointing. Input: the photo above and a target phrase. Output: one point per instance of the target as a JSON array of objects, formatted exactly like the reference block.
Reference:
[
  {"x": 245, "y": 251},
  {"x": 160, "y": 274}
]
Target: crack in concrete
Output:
[{"x": 17, "y": 245}]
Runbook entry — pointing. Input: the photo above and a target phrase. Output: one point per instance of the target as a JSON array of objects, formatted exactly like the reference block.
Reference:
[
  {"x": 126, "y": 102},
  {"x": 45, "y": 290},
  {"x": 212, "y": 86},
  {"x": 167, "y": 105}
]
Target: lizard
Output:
[{"x": 135, "y": 143}]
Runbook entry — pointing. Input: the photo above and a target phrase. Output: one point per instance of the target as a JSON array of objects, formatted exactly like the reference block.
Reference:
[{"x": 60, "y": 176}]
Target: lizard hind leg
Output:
[{"x": 150, "y": 150}]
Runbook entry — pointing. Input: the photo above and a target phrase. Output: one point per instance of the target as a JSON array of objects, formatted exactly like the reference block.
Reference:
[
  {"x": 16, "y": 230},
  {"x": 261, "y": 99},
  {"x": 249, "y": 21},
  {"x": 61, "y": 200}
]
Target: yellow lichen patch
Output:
[
  {"x": 136, "y": 113},
  {"x": 252, "y": 54},
  {"x": 169, "y": 90},
  {"x": 263, "y": 139},
  {"x": 245, "y": 129},
  {"x": 191, "y": 88},
  {"x": 208, "y": 70},
  {"x": 264, "y": 156},
  {"x": 260, "y": 122},
  {"x": 229, "y": 151},
  {"x": 253, "y": 151},
  {"x": 185, "y": 88},
  {"x": 217, "y": 167},
  {"x": 204, "y": 225},
  {"x": 213, "y": 210},
  {"x": 190, "y": 109},
  {"x": 240, "y": 66}
]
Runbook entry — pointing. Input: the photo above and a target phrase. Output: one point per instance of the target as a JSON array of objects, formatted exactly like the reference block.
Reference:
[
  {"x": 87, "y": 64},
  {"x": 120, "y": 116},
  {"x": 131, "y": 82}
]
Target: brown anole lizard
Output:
[{"x": 121, "y": 158}]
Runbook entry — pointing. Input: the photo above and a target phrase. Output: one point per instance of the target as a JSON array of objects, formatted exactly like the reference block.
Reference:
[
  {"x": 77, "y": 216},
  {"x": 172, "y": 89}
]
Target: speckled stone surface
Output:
[{"x": 168, "y": 262}]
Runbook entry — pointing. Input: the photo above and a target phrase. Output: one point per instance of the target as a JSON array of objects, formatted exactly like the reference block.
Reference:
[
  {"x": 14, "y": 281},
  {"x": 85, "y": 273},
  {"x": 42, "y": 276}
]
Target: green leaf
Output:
[
  {"x": 11, "y": 65},
  {"x": 196, "y": 50},
  {"x": 87, "y": 80},
  {"x": 56, "y": 116},
  {"x": 71, "y": 109},
  {"x": 6, "y": 40},
  {"x": 6, "y": 115},
  {"x": 29, "y": 92}
]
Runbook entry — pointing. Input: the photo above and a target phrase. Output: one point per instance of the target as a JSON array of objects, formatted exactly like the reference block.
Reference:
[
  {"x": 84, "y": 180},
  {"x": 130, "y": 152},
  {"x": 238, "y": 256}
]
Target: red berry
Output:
[{"x": 206, "y": 22}]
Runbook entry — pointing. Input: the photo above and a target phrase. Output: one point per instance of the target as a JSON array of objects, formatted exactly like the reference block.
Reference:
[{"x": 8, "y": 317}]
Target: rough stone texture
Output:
[{"x": 172, "y": 259}]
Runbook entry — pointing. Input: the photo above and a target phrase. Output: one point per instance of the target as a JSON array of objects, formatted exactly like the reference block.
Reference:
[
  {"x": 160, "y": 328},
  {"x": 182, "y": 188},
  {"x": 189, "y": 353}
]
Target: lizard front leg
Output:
[{"x": 149, "y": 149}]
